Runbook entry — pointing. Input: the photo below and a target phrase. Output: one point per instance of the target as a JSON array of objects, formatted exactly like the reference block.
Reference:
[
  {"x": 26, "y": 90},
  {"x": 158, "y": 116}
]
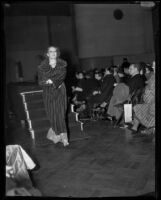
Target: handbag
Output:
[{"x": 128, "y": 112}]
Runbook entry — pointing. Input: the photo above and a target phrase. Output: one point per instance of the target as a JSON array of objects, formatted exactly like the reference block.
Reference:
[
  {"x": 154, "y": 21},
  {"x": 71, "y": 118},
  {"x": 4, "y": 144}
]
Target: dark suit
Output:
[
  {"x": 135, "y": 82},
  {"x": 107, "y": 88}
]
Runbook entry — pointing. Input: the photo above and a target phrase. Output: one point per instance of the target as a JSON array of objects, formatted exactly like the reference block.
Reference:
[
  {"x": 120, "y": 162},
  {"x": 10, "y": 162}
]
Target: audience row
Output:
[{"x": 102, "y": 91}]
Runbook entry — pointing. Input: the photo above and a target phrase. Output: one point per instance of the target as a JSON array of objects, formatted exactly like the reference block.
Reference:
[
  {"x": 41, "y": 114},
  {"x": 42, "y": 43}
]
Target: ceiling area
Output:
[{"x": 37, "y": 8}]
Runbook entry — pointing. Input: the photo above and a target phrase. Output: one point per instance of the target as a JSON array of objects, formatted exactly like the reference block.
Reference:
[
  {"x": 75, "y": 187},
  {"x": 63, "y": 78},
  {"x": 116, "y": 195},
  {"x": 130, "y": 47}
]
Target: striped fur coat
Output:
[{"x": 54, "y": 95}]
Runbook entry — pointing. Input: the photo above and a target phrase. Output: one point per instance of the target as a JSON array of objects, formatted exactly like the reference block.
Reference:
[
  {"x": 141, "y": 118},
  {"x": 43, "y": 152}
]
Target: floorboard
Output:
[{"x": 111, "y": 162}]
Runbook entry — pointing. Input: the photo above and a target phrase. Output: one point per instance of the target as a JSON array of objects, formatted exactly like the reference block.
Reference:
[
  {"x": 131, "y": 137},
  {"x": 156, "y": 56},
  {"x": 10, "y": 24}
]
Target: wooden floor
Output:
[{"x": 110, "y": 163}]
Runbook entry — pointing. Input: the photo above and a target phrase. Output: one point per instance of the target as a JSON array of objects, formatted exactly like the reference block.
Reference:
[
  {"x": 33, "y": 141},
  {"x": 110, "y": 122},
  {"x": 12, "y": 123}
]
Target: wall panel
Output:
[{"x": 100, "y": 34}]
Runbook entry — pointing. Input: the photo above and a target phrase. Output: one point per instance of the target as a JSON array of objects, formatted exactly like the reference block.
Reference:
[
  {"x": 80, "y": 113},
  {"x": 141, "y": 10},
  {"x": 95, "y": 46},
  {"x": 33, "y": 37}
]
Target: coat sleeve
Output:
[
  {"x": 58, "y": 77},
  {"x": 135, "y": 84},
  {"x": 41, "y": 78},
  {"x": 107, "y": 89}
]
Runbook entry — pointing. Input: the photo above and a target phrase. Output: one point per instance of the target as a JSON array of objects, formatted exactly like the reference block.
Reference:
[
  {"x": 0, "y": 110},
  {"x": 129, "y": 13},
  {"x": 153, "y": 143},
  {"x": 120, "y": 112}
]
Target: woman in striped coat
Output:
[
  {"x": 51, "y": 74},
  {"x": 145, "y": 113}
]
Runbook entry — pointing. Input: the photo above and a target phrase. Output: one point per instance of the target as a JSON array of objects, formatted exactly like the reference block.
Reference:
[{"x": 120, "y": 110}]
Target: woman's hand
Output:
[
  {"x": 49, "y": 81},
  {"x": 96, "y": 92}
]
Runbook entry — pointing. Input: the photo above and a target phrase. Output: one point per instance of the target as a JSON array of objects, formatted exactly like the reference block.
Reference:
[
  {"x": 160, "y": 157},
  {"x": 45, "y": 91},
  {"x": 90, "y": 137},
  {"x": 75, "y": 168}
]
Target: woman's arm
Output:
[
  {"x": 58, "y": 77},
  {"x": 42, "y": 78}
]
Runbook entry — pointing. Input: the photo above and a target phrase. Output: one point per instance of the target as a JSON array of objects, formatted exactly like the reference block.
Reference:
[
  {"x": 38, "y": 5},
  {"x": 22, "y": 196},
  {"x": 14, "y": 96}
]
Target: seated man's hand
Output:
[
  {"x": 49, "y": 81},
  {"x": 95, "y": 92},
  {"x": 103, "y": 104},
  {"x": 78, "y": 89}
]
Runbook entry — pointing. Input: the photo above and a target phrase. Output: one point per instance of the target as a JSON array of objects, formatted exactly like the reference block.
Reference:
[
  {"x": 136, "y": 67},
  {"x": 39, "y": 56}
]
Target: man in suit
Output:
[{"x": 122, "y": 90}]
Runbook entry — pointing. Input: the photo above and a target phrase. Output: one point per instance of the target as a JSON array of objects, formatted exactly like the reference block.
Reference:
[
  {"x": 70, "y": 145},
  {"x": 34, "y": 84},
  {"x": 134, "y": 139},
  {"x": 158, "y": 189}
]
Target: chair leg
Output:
[{"x": 119, "y": 120}]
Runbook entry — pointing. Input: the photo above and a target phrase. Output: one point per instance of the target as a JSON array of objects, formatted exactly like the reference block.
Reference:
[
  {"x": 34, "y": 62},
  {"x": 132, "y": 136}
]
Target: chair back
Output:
[{"x": 136, "y": 96}]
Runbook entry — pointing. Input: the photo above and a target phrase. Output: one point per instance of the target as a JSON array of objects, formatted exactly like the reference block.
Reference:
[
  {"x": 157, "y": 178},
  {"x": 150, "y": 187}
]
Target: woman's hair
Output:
[
  {"x": 79, "y": 72},
  {"x": 89, "y": 73},
  {"x": 110, "y": 69},
  {"x": 143, "y": 66},
  {"x": 57, "y": 50},
  {"x": 149, "y": 67}
]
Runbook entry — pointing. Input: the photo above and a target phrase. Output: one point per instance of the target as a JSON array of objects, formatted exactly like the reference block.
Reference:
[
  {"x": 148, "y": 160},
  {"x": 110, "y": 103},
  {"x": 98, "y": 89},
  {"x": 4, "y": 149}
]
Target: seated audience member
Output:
[
  {"x": 125, "y": 64},
  {"x": 92, "y": 86},
  {"x": 106, "y": 89},
  {"x": 126, "y": 74},
  {"x": 115, "y": 74},
  {"x": 136, "y": 81},
  {"x": 78, "y": 88},
  {"x": 107, "y": 86},
  {"x": 144, "y": 113},
  {"x": 143, "y": 70},
  {"x": 93, "y": 83},
  {"x": 123, "y": 77},
  {"x": 122, "y": 91},
  {"x": 149, "y": 71},
  {"x": 18, "y": 181},
  {"x": 98, "y": 78}
]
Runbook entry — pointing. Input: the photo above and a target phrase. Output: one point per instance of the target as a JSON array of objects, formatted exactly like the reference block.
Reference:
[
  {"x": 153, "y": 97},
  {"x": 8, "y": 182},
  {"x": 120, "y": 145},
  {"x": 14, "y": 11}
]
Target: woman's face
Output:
[
  {"x": 52, "y": 53},
  {"x": 147, "y": 71},
  {"x": 97, "y": 76},
  {"x": 141, "y": 72},
  {"x": 107, "y": 72},
  {"x": 80, "y": 76},
  {"x": 132, "y": 70}
]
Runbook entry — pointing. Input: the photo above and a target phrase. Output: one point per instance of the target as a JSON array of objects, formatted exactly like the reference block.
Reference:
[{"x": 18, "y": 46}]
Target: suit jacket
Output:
[
  {"x": 135, "y": 82},
  {"x": 107, "y": 88},
  {"x": 91, "y": 85}
]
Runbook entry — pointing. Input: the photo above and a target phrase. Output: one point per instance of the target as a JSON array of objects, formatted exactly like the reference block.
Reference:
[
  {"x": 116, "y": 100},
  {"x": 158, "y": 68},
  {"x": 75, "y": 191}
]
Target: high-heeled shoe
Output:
[
  {"x": 52, "y": 136},
  {"x": 64, "y": 139},
  {"x": 133, "y": 131}
]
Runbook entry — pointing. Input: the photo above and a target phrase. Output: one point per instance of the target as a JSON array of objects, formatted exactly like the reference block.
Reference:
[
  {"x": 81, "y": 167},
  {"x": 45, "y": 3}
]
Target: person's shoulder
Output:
[
  {"x": 43, "y": 65},
  {"x": 62, "y": 63},
  {"x": 137, "y": 77}
]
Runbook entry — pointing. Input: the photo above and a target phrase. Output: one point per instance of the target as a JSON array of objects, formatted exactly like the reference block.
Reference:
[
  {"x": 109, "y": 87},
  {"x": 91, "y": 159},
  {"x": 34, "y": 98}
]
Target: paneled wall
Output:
[
  {"x": 99, "y": 34},
  {"x": 62, "y": 35},
  {"x": 95, "y": 62},
  {"x": 100, "y": 39},
  {"x": 29, "y": 36}
]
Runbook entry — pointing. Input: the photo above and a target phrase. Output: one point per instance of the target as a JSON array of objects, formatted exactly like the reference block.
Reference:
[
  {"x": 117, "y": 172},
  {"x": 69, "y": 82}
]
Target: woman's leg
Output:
[
  {"x": 50, "y": 107},
  {"x": 135, "y": 124},
  {"x": 60, "y": 114}
]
